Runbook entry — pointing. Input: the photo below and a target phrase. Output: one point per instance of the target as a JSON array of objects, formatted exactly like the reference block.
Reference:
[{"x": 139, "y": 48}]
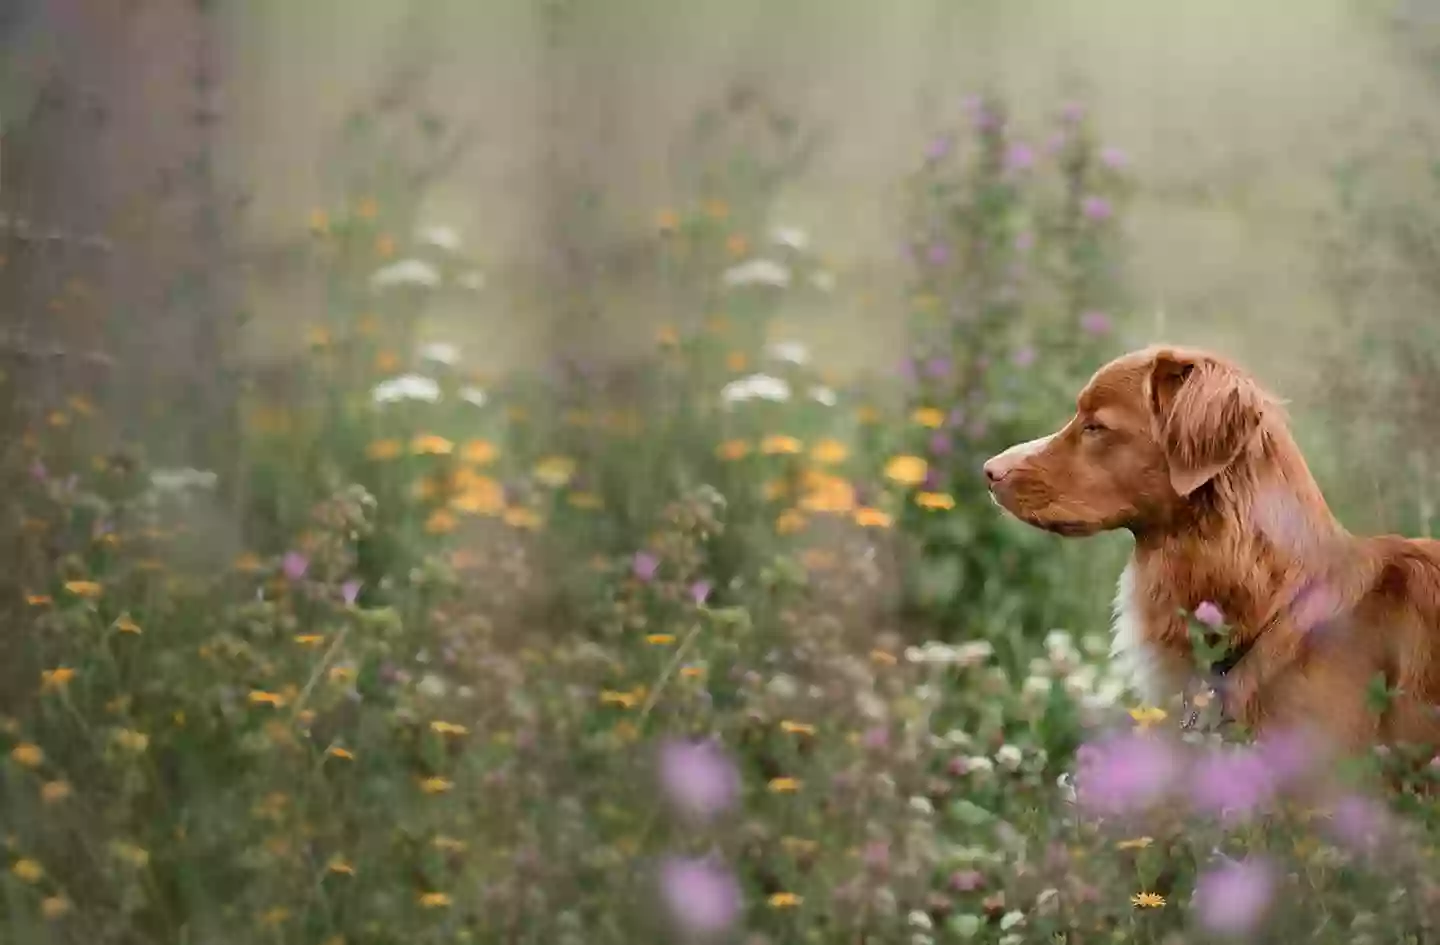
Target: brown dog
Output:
[{"x": 1185, "y": 450}]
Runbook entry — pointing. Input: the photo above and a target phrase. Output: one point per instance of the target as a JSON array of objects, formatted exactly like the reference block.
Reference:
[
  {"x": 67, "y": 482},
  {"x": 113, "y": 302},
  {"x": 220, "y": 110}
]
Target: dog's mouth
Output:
[{"x": 1066, "y": 528}]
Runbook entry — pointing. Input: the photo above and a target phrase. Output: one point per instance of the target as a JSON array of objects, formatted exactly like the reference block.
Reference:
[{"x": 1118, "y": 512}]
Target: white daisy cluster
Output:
[{"x": 1083, "y": 671}]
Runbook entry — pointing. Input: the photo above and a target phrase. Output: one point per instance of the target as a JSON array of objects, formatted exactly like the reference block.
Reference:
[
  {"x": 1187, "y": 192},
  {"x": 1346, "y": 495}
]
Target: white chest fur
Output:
[{"x": 1137, "y": 659}]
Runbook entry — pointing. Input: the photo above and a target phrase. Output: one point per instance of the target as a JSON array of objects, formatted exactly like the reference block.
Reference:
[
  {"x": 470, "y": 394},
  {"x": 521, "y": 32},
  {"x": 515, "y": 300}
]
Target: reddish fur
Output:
[{"x": 1197, "y": 461}]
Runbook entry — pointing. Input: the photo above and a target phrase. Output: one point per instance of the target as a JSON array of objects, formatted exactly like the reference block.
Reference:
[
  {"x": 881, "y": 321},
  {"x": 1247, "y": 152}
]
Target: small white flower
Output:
[
  {"x": 178, "y": 480},
  {"x": 979, "y": 764},
  {"x": 958, "y": 738},
  {"x": 473, "y": 280},
  {"x": 823, "y": 279},
  {"x": 1059, "y": 640},
  {"x": 1036, "y": 686},
  {"x": 823, "y": 395},
  {"x": 1009, "y": 757},
  {"x": 870, "y": 705},
  {"x": 1011, "y": 919},
  {"x": 431, "y": 686},
  {"x": 406, "y": 272},
  {"x": 406, "y": 387},
  {"x": 792, "y": 352},
  {"x": 783, "y": 686},
  {"x": 441, "y": 237},
  {"x": 474, "y": 396},
  {"x": 973, "y": 653},
  {"x": 756, "y": 387},
  {"x": 920, "y": 919},
  {"x": 441, "y": 352},
  {"x": 758, "y": 272},
  {"x": 921, "y": 805},
  {"x": 791, "y": 236}
]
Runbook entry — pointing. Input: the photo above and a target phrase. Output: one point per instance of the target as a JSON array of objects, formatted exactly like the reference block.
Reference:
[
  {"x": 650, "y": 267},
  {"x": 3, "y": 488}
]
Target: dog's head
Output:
[{"x": 1150, "y": 429}]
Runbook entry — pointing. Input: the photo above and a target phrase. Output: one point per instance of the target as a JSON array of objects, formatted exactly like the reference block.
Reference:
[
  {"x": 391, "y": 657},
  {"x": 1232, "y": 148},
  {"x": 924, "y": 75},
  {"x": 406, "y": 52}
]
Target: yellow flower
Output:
[
  {"x": 588, "y": 501},
  {"x": 555, "y": 471},
  {"x": 448, "y": 844},
  {"x": 931, "y": 417},
  {"x": 666, "y": 336},
  {"x": 342, "y": 674},
  {"x": 867, "y": 415},
  {"x": 367, "y": 208},
  {"x": 906, "y": 470},
  {"x": 131, "y": 740},
  {"x": 667, "y": 220},
  {"x": 733, "y": 450},
  {"x": 692, "y": 672},
  {"x": 1146, "y": 716},
  {"x": 338, "y": 864},
  {"x": 318, "y": 336},
  {"x": 1147, "y": 900},
  {"x": 52, "y": 792},
  {"x": 829, "y": 451},
  {"x": 28, "y": 871},
  {"x": 248, "y": 563},
  {"x": 53, "y": 907},
  {"x": 1137, "y": 843},
  {"x": 310, "y": 639},
  {"x": 319, "y": 221},
  {"x": 57, "y": 678},
  {"x": 436, "y": 785},
  {"x": 440, "y": 522},
  {"x": 660, "y": 639},
  {"x": 784, "y": 900},
  {"x": 872, "y": 518},
  {"x": 260, "y": 697},
  {"x": 778, "y": 445},
  {"x": 386, "y": 361},
  {"x": 86, "y": 589},
  {"x": 434, "y": 900},
  {"x": 27, "y": 755},
  {"x": 522, "y": 518},
  {"x": 737, "y": 361},
  {"x": 935, "y": 501},
  {"x": 797, "y": 728},
  {"x": 430, "y": 444},
  {"x": 344, "y": 754},
  {"x": 883, "y": 657},
  {"x": 448, "y": 728},
  {"x": 828, "y": 494},
  {"x": 736, "y": 244},
  {"x": 783, "y": 785},
  {"x": 479, "y": 452},
  {"x": 790, "y": 522},
  {"x": 37, "y": 600},
  {"x": 130, "y": 853},
  {"x": 126, "y": 624},
  {"x": 383, "y": 449}
]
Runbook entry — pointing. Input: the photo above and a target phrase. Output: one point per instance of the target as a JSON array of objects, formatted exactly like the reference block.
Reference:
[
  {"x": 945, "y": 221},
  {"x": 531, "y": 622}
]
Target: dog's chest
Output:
[{"x": 1143, "y": 662}]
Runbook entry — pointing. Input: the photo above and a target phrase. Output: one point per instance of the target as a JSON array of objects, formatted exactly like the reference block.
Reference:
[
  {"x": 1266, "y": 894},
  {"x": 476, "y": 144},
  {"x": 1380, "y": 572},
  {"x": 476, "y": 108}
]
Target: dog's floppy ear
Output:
[{"x": 1205, "y": 413}]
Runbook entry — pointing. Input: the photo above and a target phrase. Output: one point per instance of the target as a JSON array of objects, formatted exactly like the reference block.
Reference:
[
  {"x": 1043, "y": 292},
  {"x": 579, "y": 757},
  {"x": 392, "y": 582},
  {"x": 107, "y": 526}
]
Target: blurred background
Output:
[{"x": 418, "y": 314}]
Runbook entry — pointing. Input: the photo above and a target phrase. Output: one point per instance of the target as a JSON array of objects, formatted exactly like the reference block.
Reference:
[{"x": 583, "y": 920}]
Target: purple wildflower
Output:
[
  {"x": 938, "y": 254},
  {"x": 1232, "y": 782},
  {"x": 1023, "y": 357},
  {"x": 1072, "y": 113},
  {"x": 938, "y": 148},
  {"x": 294, "y": 564},
  {"x": 1233, "y": 899},
  {"x": 1358, "y": 822},
  {"x": 1209, "y": 614},
  {"x": 1114, "y": 158},
  {"x": 966, "y": 880},
  {"x": 645, "y": 565},
  {"x": 876, "y": 854},
  {"x": 1019, "y": 157},
  {"x": 1096, "y": 208},
  {"x": 350, "y": 590},
  {"x": 38, "y": 471},
  {"x": 938, "y": 367},
  {"x": 700, "y": 592},
  {"x": 940, "y": 444},
  {"x": 1096, "y": 323},
  {"x": 702, "y": 895},
  {"x": 698, "y": 777},
  {"x": 1125, "y": 773},
  {"x": 877, "y": 737}
]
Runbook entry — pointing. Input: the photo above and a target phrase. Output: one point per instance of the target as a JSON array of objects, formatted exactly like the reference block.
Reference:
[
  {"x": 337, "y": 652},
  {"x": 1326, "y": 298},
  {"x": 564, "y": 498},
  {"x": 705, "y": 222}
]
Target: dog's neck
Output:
[{"x": 1247, "y": 541}]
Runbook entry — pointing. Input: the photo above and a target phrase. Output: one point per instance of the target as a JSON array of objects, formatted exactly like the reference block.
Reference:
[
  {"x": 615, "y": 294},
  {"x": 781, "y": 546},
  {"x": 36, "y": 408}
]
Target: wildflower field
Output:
[{"x": 728, "y": 649}]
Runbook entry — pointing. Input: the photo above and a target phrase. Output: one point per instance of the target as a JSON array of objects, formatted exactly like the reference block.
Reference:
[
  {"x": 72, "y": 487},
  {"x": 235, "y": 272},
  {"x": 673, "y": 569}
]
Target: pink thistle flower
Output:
[
  {"x": 1095, "y": 323},
  {"x": 1232, "y": 782},
  {"x": 700, "y": 592},
  {"x": 698, "y": 777},
  {"x": 645, "y": 565},
  {"x": 1125, "y": 773},
  {"x": 1233, "y": 899},
  {"x": 350, "y": 590},
  {"x": 1209, "y": 614},
  {"x": 294, "y": 565},
  {"x": 1096, "y": 208},
  {"x": 702, "y": 896}
]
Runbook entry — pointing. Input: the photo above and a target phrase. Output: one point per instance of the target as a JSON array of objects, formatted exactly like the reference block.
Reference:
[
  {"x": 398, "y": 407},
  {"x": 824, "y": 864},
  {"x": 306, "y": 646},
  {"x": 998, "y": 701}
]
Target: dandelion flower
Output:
[
  {"x": 436, "y": 785},
  {"x": 779, "y": 445},
  {"x": 52, "y": 792},
  {"x": 57, "y": 678},
  {"x": 1147, "y": 716},
  {"x": 27, "y": 871},
  {"x": 797, "y": 728},
  {"x": 784, "y": 900},
  {"x": 260, "y": 697},
  {"x": 336, "y": 751},
  {"x": 935, "y": 501},
  {"x": 783, "y": 785},
  {"x": 732, "y": 450},
  {"x": 829, "y": 451},
  {"x": 931, "y": 417},
  {"x": 478, "y": 452},
  {"x": 872, "y": 518},
  {"x": 1137, "y": 843},
  {"x": 86, "y": 589},
  {"x": 435, "y": 900},
  {"x": 126, "y": 624},
  {"x": 1147, "y": 900},
  {"x": 54, "y": 907},
  {"x": 660, "y": 639},
  {"x": 555, "y": 471},
  {"x": 448, "y": 728}
]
